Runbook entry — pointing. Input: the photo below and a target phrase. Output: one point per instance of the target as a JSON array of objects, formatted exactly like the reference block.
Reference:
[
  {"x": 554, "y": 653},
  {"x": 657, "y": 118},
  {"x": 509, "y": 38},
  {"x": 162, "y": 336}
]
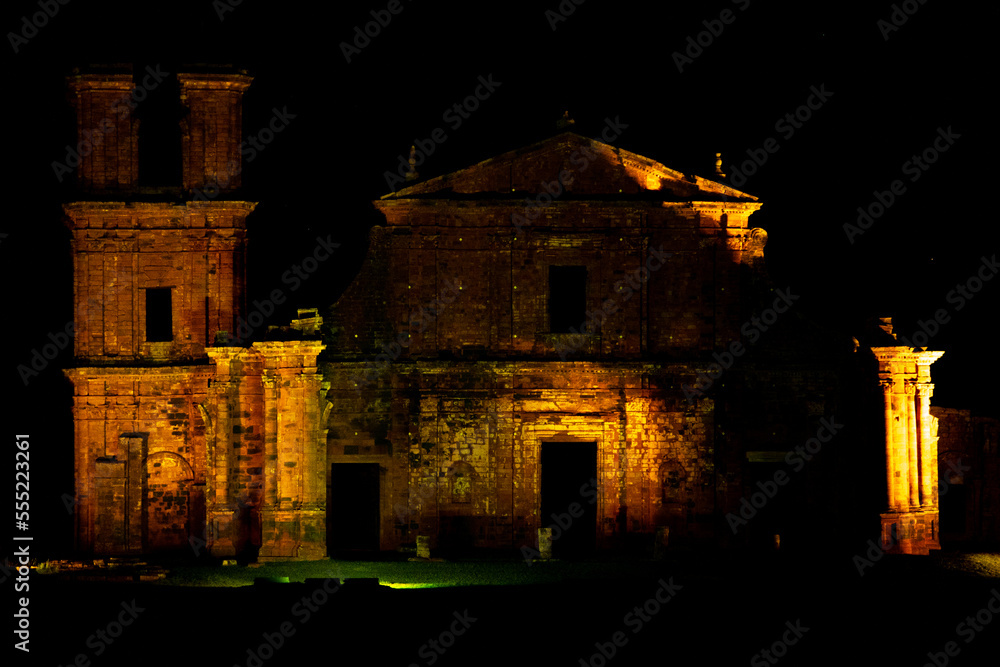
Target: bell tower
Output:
[{"x": 158, "y": 276}]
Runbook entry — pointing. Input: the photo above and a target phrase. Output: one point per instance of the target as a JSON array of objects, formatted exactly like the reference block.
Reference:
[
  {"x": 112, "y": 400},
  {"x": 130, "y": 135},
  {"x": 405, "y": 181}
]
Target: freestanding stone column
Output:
[{"x": 910, "y": 524}]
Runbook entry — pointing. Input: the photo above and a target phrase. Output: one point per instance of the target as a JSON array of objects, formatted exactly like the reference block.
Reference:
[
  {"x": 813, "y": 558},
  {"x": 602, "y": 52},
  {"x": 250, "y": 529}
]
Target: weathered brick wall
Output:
[
  {"x": 169, "y": 511},
  {"x": 212, "y": 131},
  {"x": 358, "y": 325},
  {"x": 106, "y": 131},
  {"x": 459, "y": 280},
  {"x": 268, "y": 488},
  {"x": 488, "y": 420},
  {"x": 138, "y": 417},
  {"x": 493, "y": 251},
  {"x": 231, "y": 453},
  {"x": 120, "y": 250},
  {"x": 455, "y": 278}
]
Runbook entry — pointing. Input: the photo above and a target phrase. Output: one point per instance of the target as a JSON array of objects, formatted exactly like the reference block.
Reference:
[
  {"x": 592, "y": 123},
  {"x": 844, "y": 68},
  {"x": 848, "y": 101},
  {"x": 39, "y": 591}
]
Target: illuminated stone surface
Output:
[
  {"x": 110, "y": 127},
  {"x": 911, "y": 524},
  {"x": 568, "y": 300},
  {"x": 457, "y": 301},
  {"x": 181, "y": 444}
]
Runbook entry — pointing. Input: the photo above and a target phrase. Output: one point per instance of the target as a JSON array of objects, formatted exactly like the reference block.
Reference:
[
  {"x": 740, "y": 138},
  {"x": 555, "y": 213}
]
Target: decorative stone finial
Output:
[
  {"x": 411, "y": 174},
  {"x": 718, "y": 165},
  {"x": 565, "y": 121},
  {"x": 885, "y": 324}
]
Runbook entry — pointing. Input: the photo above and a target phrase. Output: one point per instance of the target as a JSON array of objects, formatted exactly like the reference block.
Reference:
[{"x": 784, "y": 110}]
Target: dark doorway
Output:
[
  {"x": 353, "y": 508},
  {"x": 569, "y": 475}
]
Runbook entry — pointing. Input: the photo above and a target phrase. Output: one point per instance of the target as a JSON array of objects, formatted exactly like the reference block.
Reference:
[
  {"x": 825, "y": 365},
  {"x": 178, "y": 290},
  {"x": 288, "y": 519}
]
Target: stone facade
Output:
[
  {"x": 181, "y": 440},
  {"x": 686, "y": 380},
  {"x": 567, "y": 336},
  {"x": 446, "y": 363}
]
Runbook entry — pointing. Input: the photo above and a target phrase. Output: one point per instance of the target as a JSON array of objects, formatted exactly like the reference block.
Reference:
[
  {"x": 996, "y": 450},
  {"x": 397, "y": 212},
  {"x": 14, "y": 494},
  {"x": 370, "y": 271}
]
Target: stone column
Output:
[
  {"x": 928, "y": 462},
  {"x": 294, "y": 513},
  {"x": 218, "y": 497},
  {"x": 912, "y": 451},
  {"x": 910, "y": 524},
  {"x": 891, "y": 463},
  {"x": 220, "y": 461},
  {"x": 901, "y": 447},
  {"x": 271, "y": 494}
]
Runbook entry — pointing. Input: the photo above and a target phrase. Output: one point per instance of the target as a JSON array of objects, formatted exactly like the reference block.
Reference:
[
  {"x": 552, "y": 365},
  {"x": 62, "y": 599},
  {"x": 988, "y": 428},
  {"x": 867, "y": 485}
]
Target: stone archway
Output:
[{"x": 167, "y": 507}]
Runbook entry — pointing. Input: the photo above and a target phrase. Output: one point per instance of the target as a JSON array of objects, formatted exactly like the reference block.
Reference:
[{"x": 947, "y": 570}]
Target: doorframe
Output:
[
  {"x": 383, "y": 494},
  {"x": 602, "y": 429},
  {"x": 542, "y": 519}
]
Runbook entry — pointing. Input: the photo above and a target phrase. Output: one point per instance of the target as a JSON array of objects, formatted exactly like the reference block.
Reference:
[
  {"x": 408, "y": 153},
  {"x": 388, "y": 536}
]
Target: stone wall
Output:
[
  {"x": 969, "y": 474},
  {"x": 481, "y": 426},
  {"x": 126, "y": 422},
  {"x": 121, "y": 250}
]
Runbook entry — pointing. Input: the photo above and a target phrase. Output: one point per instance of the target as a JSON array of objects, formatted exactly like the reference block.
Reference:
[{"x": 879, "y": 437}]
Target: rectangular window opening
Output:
[
  {"x": 567, "y": 298},
  {"x": 159, "y": 317}
]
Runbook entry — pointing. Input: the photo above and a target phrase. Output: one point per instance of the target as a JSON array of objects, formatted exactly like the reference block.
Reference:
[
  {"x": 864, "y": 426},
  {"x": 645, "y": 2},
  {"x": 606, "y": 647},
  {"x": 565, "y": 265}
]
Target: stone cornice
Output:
[{"x": 157, "y": 215}]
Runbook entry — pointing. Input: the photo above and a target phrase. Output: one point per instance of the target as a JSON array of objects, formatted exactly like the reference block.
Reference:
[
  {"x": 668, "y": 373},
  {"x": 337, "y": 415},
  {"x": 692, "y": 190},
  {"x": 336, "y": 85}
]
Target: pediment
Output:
[{"x": 587, "y": 168}]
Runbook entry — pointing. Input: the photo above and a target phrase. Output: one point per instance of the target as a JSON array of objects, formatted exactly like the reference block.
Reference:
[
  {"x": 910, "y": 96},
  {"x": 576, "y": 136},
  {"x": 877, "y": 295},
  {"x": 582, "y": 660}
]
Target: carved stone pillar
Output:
[
  {"x": 270, "y": 442},
  {"x": 892, "y": 476},
  {"x": 294, "y": 513},
  {"x": 910, "y": 524},
  {"x": 928, "y": 462},
  {"x": 218, "y": 496},
  {"x": 912, "y": 451}
]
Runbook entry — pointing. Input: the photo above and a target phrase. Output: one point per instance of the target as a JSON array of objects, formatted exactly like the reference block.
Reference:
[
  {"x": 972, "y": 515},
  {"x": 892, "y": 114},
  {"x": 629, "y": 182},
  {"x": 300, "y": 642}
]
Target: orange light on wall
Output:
[{"x": 911, "y": 523}]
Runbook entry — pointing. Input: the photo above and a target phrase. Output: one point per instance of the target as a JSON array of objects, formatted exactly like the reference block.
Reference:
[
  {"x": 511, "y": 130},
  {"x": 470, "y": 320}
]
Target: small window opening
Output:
[
  {"x": 567, "y": 298},
  {"x": 159, "y": 317}
]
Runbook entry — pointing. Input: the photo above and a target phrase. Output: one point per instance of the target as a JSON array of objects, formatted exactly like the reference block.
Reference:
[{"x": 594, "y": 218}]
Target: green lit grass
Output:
[
  {"x": 513, "y": 572},
  {"x": 403, "y": 574}
]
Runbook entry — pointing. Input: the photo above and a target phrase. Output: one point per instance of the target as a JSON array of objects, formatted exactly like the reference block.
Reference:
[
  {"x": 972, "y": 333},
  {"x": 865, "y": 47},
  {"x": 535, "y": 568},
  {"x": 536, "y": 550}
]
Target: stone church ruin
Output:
[{"x": 608, "y": 348}]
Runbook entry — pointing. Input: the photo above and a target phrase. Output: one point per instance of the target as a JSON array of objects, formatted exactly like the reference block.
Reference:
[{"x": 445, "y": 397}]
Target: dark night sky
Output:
[{"x": 608, "y": 59}]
